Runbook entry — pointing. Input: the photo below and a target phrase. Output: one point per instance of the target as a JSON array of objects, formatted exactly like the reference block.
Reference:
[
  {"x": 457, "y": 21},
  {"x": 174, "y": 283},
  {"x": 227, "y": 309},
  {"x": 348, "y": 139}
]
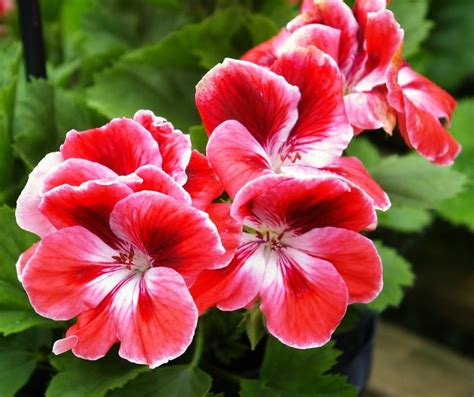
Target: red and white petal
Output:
[
  {"x": 74, "y": 172},
  {"x": 266, "y": 53},
  {"x": 260, "y": 100},
  {"x": 353, "y": 255},
  {"x": 175, "y": 147},
  {"x": 23, "y": 260},
  {"x": 93, "y": 334},
  {"x": 352, "y": 169},
  {"x": 370, "y": 111},
  {"x": 235, "y": 286},
  {"x": 27, "y": 214},
  {"x": 297, "y": 205},
  {"x": 202, "y": 183},
  {"x": 325, "y": 38},
  {"x": 338, "y": 15},
  {"x": 303, "y": 299},
  {"x": 155, "y": 317},
  {"x": 124, "y": 146},
  {"x": 171, "y": 233},
  {"x": 229, "y": 229},
  {"x": 155, "y": 179},
  {"x": 236, "y": 156},
  {"x": 88, "y": 205},
  {"x": 322, "y": 131},
  {"x": 425, "y": 94},
  {"x": 383, "y": 43},
  {"x": 427, "y": 136},
  {"x": 363, "y": 7},
  {"x": 71, "y": 271}
]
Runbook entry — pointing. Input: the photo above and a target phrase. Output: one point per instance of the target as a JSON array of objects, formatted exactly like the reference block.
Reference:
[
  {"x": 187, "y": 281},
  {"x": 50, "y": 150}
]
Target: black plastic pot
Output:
[{"x": 357, "y": 347}]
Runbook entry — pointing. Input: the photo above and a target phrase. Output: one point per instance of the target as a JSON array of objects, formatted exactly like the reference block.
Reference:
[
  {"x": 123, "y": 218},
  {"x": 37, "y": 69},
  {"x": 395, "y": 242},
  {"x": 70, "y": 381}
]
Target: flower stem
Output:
[{"x": 198, "y": 346}]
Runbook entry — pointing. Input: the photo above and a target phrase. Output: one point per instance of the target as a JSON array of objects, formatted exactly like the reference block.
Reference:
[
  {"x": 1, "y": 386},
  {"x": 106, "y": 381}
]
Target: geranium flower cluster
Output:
[{"x": 137, "y": 239}]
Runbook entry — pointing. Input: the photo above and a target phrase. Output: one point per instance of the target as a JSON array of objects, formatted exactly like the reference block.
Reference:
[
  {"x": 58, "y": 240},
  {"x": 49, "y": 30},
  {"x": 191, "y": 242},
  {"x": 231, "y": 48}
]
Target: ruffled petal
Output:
[
  {"x": 124, "y": 146},
  {"x": 93, "y": 334},
  {"x": 353, "y": 255},
  {"x": 383, "y": 43},
  {"x": 297, "y": 205},
  {"x": 322, "y": 131},
  {"x": 74, "y": 172},
  {"x": 155, "y": 317},
  {"x": 23, "y": 260},
  {"x": 370, "y": 111},
  {"x": 235, "y": 286},
  {"x": 267, "y": 52},
  {"x": 156, "y": 180},
  {"x": 202, "y": 184},
  {"x": 303, "y": 299},
  {"x": 260, "y": 100},
  {"x": 171, "y": 233},
  {"x": 336, "y": 14},
  {"x": 28, "y": 215},
  {"x": 426, "y": 135},
  {"x": 71, "y": 271},
  {"x": 352, "y": 169},
  {"x": 236, "y": 156},
  {"x": 88, "y": 205},
  {"x": 425, "y": 94},
  {"x": 325, "y": 38},
  {"x": 363, "y": 7},
  {"x": 175, "y": 147}
]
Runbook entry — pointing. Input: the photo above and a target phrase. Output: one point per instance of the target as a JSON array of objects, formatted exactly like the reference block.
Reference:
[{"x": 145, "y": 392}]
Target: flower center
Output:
[
  {"x": 133, "y": 260},
  {"x": 271, "y": 239}
]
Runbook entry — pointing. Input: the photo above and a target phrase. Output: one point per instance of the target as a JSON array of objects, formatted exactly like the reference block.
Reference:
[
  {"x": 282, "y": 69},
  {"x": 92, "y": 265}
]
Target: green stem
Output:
[
  {"x": 198, "y": 347},
  {"x": 226, "y": 375}
]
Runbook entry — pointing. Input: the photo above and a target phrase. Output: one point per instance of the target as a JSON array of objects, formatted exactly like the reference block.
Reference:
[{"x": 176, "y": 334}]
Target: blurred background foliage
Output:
[{"x": 108, "y": 58}]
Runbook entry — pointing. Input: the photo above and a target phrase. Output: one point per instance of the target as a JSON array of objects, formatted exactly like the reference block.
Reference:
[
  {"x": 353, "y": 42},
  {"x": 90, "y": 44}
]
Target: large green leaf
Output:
[
  {"x": 411, "y": 14},
  {"x": 82, "y": 378},
  {"x": 460, "y": 209},
  {"x": 397, "y": 274},
  {"x": 282, "y": 375},
  {"x": 43, "y": 115},
  {"x": 174, "y": 381},
  {"x": 405, "y": 219},
  {"x": 162, "y": 76},
  {"x": 18, "y": 359},
  {"x": 414, "y": 182}
]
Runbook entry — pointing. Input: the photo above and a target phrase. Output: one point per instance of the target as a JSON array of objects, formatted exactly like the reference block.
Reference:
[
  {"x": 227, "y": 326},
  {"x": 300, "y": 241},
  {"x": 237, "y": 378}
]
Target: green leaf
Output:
[
  {"x": 405, "y": 219},
  {"x": 397, "y": 274},
  {"x": 162, "y": 76},
  {"x": 224, "y": 335},
  {"x": 43, "y": 115},
  {"x": 414, "y": 182},
  {"x": 81, "y": 378},
  {"x": 411, "y": 14},
  {"x": 174, "y": 381},
  {"x": 365, "y": 151},
  {"x": 450, "y": 44},
  {"x": 18, "y": 358},
  {"x": 282, "y": 375},
  {"x": 460, "y": 209}
]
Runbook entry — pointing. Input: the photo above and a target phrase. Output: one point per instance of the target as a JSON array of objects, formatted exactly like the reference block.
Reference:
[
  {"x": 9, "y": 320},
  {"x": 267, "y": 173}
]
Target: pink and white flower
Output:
[
  {"x": 287, "y": 119},
  {"x": 122, "y": 262},
  {"x": 301, "y": 257},
  {"x": 124, "y": 150},
  {"x": 366, "y": 42}
]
